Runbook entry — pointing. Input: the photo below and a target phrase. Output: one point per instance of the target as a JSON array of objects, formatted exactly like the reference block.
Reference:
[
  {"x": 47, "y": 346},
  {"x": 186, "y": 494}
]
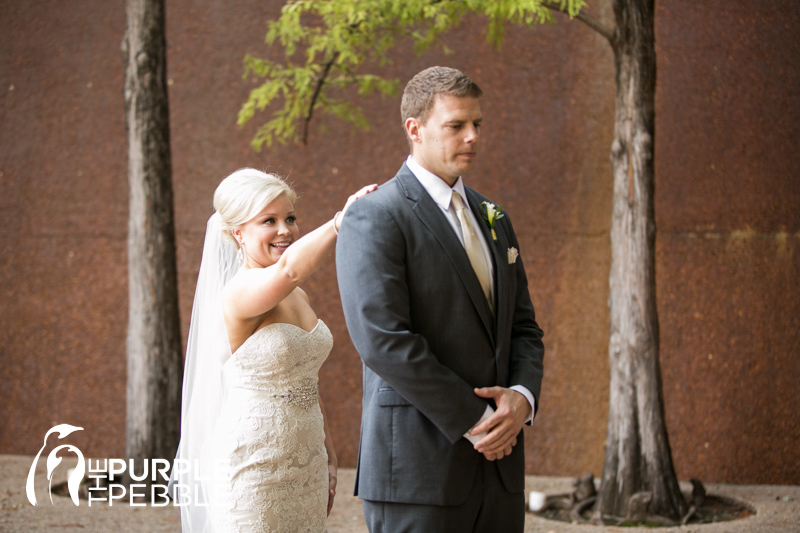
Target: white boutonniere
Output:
[
  {"x": 492, "y": 213},
  {"x": 512, "y": 255}
]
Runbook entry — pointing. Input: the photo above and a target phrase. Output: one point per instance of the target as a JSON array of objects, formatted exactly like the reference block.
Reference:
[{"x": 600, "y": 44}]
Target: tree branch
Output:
[
  {"x": 596, "y": 25},
  {"x": 317, "y": 90}
]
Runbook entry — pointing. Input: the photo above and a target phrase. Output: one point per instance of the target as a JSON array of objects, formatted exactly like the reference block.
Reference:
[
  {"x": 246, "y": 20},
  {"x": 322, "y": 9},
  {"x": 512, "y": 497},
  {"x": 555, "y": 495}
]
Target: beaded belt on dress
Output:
[{"x": 304, "y": 396}]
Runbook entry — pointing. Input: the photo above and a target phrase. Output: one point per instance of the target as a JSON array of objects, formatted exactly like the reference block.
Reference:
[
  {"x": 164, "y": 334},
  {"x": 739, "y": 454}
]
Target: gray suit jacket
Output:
[{"x": 418, "y": 318}]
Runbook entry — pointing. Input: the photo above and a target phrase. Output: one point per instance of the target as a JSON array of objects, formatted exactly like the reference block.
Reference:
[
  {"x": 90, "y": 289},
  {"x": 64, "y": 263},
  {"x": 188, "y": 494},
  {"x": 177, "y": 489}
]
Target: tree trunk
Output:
[
  {"x": 638, "y": 456},
  {"x": 154, "y": 341}
]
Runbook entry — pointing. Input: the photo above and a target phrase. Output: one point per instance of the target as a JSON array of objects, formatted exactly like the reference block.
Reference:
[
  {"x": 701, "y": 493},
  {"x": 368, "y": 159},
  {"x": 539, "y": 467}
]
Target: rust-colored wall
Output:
[
  {"x": 728, "y": 237},
  {"x": 726, "y": 197}
]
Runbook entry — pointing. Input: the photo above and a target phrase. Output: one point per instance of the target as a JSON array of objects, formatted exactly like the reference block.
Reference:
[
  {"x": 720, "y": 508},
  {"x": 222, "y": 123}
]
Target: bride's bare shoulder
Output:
[{"x": 302, "y": 294}]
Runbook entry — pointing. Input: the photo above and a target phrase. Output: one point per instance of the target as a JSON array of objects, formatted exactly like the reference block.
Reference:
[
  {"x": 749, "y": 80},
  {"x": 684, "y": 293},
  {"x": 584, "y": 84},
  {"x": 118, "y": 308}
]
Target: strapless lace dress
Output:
[{"x": 269, "y": 441}]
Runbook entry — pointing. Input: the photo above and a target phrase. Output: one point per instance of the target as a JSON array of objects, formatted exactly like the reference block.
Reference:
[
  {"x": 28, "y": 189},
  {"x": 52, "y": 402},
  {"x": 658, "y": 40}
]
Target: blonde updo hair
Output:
[{"x": 244, "y": 194}]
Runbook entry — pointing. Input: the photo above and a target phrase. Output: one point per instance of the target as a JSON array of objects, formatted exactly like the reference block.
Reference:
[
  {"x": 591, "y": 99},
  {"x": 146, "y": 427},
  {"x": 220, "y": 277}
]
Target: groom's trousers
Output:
[{"x": 488, "y": 509}]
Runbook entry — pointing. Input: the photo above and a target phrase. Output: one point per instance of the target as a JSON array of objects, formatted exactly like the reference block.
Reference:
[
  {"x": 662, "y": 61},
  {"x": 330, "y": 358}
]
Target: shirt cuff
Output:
[
  {"x": 531, "y": 400},
  {"x": 475, "y": 439}
]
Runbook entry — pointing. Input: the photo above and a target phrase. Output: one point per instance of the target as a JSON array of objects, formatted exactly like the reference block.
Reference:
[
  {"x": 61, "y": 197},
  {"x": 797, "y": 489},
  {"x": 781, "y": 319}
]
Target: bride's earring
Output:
[{"x": 240, "y": 253}]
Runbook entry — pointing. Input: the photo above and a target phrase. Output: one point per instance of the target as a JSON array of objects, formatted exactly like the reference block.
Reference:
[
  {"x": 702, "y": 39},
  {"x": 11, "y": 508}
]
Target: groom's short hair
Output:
[{"x": 421, "y": 91}]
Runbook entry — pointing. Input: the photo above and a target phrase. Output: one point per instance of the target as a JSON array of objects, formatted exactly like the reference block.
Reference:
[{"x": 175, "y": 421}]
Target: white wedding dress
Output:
[{"x": 269, "y": 443}]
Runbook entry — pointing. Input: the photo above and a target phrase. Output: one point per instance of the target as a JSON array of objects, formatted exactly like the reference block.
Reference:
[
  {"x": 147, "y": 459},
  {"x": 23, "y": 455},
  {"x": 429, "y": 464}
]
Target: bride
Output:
[{"x": 255, "y": 452}]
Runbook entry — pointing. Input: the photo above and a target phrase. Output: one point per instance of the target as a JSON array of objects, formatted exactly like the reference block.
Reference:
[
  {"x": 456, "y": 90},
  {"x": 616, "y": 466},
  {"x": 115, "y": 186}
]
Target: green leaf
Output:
[{"x": 342, "y": 42}]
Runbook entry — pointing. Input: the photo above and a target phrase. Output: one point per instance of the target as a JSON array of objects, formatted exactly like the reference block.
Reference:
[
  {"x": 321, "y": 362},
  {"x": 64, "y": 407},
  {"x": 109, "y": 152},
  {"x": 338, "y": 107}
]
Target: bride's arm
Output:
[
  {"x": 255, "y": 291},
  {"x": 333, "y": 461}
]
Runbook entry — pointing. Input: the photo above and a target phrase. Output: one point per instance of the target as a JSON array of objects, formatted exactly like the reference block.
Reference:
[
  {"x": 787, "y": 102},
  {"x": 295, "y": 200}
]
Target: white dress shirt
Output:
[{"x": 442, "y": 194}]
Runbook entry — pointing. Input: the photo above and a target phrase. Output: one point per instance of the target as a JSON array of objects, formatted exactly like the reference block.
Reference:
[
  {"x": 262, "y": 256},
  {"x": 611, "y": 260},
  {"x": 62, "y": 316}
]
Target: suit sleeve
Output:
[
  {"x": 371, "y": 269},
  {"x": 527, "y": 348}
]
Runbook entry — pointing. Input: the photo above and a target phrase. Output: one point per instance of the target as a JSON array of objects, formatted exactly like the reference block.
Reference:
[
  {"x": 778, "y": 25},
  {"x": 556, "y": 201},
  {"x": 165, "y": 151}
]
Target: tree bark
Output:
[
  {"x": 638, "y": 456},
  {"x": 154, "y": 342}
]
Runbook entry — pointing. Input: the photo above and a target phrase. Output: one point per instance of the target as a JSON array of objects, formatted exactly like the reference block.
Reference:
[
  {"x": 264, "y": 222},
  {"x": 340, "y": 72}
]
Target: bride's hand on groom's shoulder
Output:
[{"x": 363, "y": 191}]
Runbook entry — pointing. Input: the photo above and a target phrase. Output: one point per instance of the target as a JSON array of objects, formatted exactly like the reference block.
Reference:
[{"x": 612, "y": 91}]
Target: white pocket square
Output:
[{"x": 512, "y": 255}]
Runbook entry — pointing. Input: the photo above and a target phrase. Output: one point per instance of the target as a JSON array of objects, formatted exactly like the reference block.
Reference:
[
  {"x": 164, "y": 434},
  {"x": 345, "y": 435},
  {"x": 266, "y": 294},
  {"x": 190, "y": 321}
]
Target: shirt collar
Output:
[{"x": 439, "y": 190}]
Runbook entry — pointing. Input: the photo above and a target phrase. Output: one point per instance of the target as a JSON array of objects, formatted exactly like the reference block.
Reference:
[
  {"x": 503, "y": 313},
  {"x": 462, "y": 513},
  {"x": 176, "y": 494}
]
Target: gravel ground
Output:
[{"x": 777, "y": 508}]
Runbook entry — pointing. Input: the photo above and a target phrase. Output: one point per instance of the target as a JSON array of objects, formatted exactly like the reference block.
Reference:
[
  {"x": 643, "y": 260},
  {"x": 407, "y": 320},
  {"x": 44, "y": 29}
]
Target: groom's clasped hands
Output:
[{"x": 503, "y": 426}]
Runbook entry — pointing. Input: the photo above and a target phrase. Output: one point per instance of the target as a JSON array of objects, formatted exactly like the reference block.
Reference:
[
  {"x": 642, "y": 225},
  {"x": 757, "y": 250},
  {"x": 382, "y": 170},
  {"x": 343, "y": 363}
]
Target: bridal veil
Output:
[{"x": 207, "y": 349}]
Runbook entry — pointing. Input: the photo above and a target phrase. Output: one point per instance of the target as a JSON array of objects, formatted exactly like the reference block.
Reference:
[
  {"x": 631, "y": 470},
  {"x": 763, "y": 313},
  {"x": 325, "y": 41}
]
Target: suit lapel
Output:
[
  {"x": 500, "y": 261},
  {"x": 432, "y": 217}
]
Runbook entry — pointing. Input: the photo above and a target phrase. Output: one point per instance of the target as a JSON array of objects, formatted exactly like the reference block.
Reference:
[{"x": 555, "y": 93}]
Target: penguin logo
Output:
[{"x": 53, "y": 461}]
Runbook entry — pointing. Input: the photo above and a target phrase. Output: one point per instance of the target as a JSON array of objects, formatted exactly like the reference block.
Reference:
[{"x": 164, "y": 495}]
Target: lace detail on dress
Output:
[{"x": 269, "y": 440}]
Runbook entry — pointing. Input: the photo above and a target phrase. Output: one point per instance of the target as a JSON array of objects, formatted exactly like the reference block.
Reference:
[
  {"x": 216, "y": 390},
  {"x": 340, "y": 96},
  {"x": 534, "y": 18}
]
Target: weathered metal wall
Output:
[{"x": 726, "y": 202}]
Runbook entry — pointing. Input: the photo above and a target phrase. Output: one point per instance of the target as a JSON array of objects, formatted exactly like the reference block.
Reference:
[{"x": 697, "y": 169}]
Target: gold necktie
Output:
[{"x": 473, "y": 248}]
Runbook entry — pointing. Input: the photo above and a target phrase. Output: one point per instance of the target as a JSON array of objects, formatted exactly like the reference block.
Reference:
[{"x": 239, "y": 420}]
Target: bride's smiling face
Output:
[{"x": 267, "y": 235}]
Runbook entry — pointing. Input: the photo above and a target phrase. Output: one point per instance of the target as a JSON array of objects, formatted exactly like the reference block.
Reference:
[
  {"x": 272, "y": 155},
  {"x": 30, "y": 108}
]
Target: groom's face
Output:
[{"x": 447, "y": 143}]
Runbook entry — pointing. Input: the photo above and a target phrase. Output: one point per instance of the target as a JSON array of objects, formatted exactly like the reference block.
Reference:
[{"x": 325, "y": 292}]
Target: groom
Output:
[{"x": 436, "y": 302}]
